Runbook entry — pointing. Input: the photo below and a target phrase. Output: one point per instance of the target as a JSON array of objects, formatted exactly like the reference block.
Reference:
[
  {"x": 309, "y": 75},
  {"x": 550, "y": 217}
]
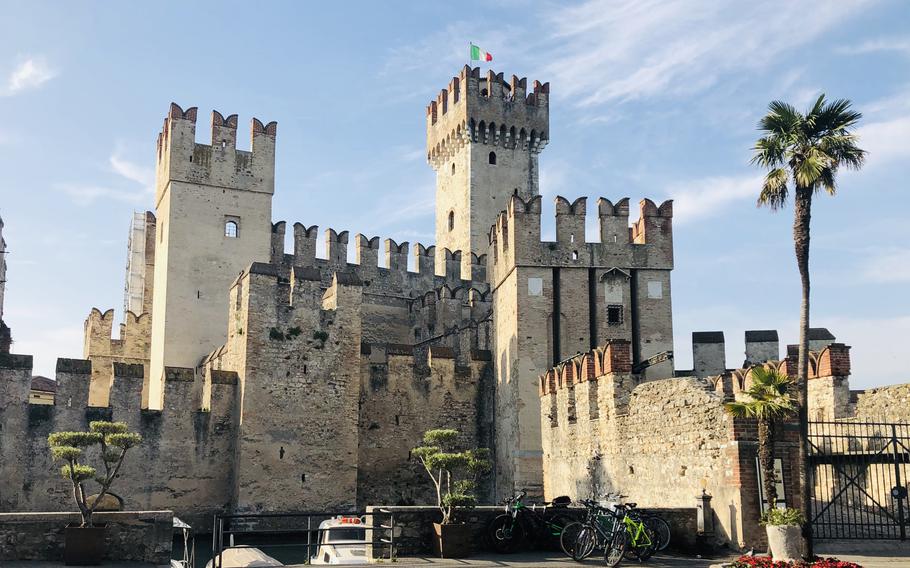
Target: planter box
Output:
[
  {"x": 785, "y": 543},
  {"x": 453, "y": 540},
  {"x": 84, "y": 546}
]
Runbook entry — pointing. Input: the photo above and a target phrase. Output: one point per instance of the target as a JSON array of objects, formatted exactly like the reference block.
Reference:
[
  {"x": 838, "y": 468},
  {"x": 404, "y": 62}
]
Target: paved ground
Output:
[{"x": 546, "y": 560}]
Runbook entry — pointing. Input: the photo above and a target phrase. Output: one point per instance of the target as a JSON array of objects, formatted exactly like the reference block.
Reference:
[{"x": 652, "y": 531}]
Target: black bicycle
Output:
[{"x": 522, "y": 523}]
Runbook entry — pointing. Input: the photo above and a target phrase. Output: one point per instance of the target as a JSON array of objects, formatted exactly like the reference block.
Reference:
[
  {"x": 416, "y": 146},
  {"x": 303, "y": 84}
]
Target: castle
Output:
[{"x": 270, "y": 380}]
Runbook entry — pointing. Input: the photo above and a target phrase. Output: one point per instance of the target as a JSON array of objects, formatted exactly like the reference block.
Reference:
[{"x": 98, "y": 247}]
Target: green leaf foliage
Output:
[
  {"x": 123, "y": 441},
  {"x": 807, "y": 149},
  {"x": 65, "y": 453},
  {"x": 769, "y": 396},
  {"x": 101, "y": 427},
  {"x": 783, "y": 517},
  {"x": 453, "y": 470},
  {"x": 78, "y": 473},
  {"x": 443, "y": 437},
  {"x": 74, "y": 439}
]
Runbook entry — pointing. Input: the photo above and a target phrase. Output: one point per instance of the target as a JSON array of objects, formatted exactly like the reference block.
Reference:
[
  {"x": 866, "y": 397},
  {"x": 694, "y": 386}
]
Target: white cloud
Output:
[
  {"x": 30, "y": 74},
  {"x": 701, "y": 198},
  {"x": 87, "y": 193},
  {"x": 900, "y": 45},
  {"x": 619, "y": 50},
  {"x": 888, "y": 267},
  {"x": 142, "y": 175},
  {"x": 885, "y": 141}
]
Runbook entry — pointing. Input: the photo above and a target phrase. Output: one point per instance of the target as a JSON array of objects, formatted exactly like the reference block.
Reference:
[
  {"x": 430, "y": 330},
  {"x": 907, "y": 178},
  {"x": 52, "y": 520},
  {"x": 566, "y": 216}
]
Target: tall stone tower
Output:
[
  {"x": 5, "y": 335},
  {"x": 483, "y": 138},
  {"x": 213, "y": 205}
]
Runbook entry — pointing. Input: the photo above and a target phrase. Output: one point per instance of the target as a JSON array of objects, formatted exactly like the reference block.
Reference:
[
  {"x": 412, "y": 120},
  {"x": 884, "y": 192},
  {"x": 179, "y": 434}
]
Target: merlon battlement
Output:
[
  {"x": 487, "y": 110},
  {"x": 428, "y": 262},
  {"x": 181, "y": 158},
  {"x": 516, "y": 236}
]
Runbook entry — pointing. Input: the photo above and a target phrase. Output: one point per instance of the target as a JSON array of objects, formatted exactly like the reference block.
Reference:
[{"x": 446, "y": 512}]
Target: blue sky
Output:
[{"x": 649, "y": 99}]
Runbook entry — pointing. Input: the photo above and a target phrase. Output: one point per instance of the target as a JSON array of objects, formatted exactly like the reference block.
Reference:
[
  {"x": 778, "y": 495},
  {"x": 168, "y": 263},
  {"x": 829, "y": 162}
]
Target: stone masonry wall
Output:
[
  {"x": 402, "y": 395},
  {"x": 140, "y": 536},
  {"x": 184, "y": 462},
  {"x": 659, "y": 442},
  {"x": 884, "y": 404}
]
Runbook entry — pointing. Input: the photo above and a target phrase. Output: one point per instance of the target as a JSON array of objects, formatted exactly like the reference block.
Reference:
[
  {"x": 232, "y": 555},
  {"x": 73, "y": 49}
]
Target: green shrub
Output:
[
  {"x": 113, "y": 440},
  {"x": 783, "y": 518},
  {"x": 453, "y": 471}
]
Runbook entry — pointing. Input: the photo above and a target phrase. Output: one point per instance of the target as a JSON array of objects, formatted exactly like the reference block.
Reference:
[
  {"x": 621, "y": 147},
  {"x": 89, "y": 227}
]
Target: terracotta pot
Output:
[
  {"x": 785, "y": 543},
  {"x": 83, "y": 546},
  {"x": 452, "y": 540}
]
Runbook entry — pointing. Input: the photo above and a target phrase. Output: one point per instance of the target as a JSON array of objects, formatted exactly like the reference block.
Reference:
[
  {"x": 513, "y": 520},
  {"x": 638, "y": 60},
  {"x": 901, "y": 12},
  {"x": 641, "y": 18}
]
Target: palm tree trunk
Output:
[
  {"x": 802, "y": 216},
  {"x": 766, "y": 461}
]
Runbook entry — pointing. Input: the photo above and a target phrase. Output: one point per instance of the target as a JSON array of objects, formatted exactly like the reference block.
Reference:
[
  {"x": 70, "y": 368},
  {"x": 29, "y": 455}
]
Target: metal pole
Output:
[
  {"x": 309, "y": 538},
  {"x": 897, "y": 485},
  {"x": 392, "y": 536}
]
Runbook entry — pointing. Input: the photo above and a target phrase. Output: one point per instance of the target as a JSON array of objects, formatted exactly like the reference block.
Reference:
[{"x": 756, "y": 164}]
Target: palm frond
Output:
[
  {"x": 774, "y": 189},
  {"x": 782, "y": 119}
]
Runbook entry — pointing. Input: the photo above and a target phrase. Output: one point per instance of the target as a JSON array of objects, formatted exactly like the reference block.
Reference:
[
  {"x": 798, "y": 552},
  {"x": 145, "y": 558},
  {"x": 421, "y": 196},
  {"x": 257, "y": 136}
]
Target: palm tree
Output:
[
  {"x": 769, "y": 399},
  {"x": 805, "y": 152}
]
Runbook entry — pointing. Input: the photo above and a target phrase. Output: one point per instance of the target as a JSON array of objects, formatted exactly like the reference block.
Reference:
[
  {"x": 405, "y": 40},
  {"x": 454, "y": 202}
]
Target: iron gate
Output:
[{"x": 859, "y": 480}]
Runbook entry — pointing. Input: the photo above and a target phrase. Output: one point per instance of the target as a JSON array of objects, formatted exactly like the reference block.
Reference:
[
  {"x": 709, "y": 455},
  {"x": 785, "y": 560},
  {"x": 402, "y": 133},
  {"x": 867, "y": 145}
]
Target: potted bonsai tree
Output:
[
  {"x": 768, "y": 400},
  {"x": 454, "y": 472},
  {"x": 84, "y": 544}
]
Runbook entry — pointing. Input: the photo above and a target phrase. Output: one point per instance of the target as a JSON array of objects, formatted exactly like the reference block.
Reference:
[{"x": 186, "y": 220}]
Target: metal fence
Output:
[
  {"x": 859, "y": 475},
  {"x": 295, "y": 530}
]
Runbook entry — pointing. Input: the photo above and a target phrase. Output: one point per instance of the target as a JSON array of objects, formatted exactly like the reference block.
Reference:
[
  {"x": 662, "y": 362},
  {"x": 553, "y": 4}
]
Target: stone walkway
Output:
[{"x": 538, "y": 559}]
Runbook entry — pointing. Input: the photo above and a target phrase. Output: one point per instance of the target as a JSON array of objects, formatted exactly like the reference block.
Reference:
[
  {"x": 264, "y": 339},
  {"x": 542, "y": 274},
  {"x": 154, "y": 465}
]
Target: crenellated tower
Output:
[
  {"x": 213, "y": 203},
  {"x": 483, "y": 138},
  {"x": 552, "y": 300}
]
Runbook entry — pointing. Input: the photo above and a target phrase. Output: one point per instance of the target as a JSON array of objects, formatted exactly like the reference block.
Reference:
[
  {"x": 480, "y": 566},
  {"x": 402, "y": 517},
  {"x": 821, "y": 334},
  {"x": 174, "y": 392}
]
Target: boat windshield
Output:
[{"x": 337, "y": 534}]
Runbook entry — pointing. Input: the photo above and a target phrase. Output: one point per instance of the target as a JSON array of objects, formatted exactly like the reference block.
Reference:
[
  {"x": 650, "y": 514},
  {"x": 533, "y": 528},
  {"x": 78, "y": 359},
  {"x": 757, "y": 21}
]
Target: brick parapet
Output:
[{"x": 613, "y": 358}]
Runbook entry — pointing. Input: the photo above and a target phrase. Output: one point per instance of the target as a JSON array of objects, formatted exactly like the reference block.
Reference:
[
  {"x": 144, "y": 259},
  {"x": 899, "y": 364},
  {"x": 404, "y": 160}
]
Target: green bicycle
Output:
[
  {"x": 521, "y": 524},
  {"x": 628, "y": 534}
]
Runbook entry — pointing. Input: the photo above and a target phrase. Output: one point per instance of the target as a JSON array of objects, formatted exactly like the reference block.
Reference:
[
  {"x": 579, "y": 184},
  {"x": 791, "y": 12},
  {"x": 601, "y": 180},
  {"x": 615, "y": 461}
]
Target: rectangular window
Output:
[
  {"x": 655, "y": 289},
  {"x": 614, "y": 314},
  {"x": 535, "y": 286}
]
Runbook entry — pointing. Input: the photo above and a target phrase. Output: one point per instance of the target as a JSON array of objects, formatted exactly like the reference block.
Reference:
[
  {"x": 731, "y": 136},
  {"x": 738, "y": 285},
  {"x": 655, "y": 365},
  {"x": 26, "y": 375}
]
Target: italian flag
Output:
[{"x": 478, "y": 54}]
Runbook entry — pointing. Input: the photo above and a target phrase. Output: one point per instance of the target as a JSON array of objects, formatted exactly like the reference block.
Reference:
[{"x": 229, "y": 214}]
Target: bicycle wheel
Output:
[
  {"x": 661, "y": 530},
  {"x": 616, "y": 547},
  {"x": 554, "y": 529},
  {"x": 569, "y": 535},
  {"x": 643, "y": 546},
  {"x": 585, "y": 543},
  {"x": 506, "y": 534}
]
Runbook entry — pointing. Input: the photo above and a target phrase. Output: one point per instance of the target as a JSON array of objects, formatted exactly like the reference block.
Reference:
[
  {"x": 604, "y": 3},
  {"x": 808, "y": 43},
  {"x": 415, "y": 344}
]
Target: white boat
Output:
[
  {"x": 341, "y": 541},
  {"x": 244, "y": 557}
]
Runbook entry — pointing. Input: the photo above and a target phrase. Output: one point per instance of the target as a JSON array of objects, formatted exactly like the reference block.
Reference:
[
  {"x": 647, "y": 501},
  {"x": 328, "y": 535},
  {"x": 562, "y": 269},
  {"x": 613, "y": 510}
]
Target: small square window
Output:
[{"x": 614, "y": 314}]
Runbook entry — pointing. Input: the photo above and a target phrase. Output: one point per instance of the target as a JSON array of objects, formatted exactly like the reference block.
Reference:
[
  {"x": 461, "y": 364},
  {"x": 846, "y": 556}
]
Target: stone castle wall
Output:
[
  {"x": 181, "y": 464},
  {"x": 660, "y": 442}
]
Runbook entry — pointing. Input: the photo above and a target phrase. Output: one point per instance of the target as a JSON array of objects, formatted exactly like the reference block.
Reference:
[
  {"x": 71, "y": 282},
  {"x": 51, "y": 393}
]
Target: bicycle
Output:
[
  {"x": 580, "y": 539},
  {"x": 627, "y": 534},
  {"x": 522, "y": 523}
]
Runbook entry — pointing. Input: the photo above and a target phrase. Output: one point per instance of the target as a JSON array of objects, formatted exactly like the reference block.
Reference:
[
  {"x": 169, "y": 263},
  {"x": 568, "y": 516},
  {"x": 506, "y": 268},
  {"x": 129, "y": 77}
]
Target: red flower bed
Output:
[{"x": 766, "y": 562}]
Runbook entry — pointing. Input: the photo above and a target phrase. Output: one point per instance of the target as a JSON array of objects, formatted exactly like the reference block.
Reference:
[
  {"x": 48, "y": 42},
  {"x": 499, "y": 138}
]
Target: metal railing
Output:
[{"x": 300, "y": 530}]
